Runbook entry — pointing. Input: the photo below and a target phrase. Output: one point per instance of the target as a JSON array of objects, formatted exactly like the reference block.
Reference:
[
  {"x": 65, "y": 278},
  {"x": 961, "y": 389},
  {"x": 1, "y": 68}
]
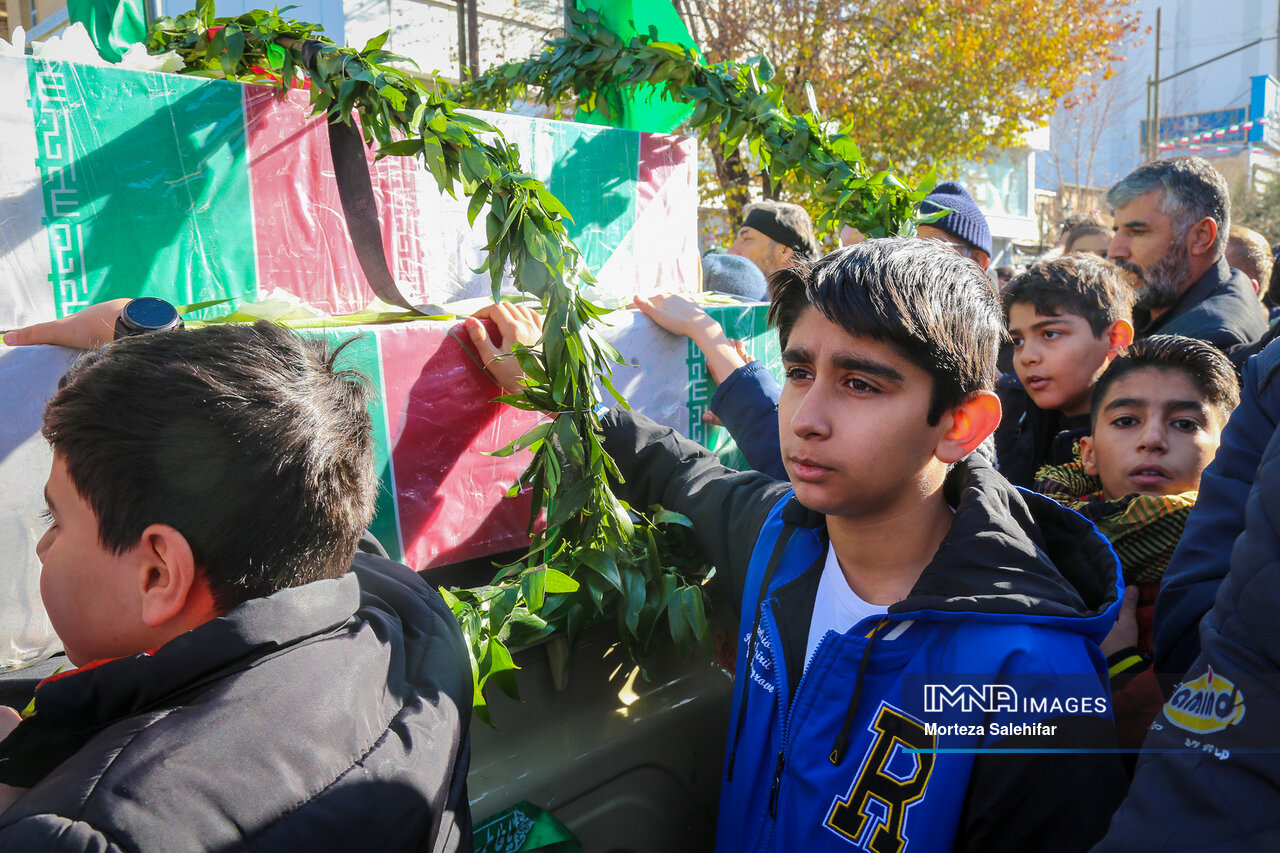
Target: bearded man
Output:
[{"x": 1171, "y": 222}]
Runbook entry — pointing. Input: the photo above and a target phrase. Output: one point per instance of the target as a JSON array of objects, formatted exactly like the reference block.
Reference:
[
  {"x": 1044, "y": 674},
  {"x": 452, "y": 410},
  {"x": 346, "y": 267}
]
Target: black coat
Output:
[
  {"x": 1221, "y": 308},
  {"x": 331, "y": 716}
]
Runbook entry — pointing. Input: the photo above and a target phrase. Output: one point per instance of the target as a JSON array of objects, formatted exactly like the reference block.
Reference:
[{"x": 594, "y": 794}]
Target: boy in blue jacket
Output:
[{"x": 906, "y": 613}]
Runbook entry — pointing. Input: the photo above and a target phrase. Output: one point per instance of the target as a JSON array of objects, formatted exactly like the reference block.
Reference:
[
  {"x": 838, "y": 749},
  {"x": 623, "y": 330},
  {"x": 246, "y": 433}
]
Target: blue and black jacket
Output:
[{"x": 817, "y": 757}]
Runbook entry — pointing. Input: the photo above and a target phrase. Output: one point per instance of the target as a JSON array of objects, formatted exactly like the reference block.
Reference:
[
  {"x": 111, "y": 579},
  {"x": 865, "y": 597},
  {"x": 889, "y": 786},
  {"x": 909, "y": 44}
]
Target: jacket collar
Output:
[
  {"x": 1009, "y": 551},
  {"x": 73, "y": 709},
  {"x": 1213, "y": 278}
]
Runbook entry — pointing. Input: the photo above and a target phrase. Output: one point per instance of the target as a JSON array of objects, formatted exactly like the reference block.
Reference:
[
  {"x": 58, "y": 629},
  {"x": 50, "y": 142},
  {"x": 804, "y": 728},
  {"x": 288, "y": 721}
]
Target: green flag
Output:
[
  {"x": 641, "y": 107},
  {"x": 113, "y": 25}
]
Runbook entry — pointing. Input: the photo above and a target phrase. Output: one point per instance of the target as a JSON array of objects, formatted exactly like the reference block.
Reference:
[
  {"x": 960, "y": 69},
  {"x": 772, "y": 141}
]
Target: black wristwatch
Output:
[{"x": 146, "y": 314}]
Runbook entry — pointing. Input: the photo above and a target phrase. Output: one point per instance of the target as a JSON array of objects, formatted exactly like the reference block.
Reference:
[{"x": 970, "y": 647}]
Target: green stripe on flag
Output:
[
  {"x": 596, "y": 173},
  {"x": 364, "y": 354},
  {"x": 146, "y": 185},
  {"x": 746, "y": 323}
]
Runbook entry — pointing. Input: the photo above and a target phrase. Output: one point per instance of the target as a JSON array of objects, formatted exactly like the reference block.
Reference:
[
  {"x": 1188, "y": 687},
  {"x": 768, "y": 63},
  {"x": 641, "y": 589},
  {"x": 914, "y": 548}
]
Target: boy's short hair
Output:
[
  {"x": 244, "y": 438},
  {"x": 934, "y": 306},
  {"x": 1084, "y": 285},
  {"x": 1084, "y": 229},
  {"x": 1204, "y": 364},
  {"x": 1249, "y": 252}
]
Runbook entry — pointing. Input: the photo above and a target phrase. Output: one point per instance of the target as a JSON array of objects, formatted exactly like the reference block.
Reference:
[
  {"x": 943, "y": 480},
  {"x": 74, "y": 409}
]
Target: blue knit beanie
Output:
[
  {"x": 964, "y": 221},
  {"x": 733, "y": 274}
]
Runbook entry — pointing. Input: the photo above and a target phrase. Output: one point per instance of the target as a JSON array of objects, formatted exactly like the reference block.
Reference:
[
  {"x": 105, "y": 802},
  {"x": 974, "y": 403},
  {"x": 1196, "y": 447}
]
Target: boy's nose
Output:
[
  {"x": 1153, "y": 437},
  {"x": 809, "y": 419}
]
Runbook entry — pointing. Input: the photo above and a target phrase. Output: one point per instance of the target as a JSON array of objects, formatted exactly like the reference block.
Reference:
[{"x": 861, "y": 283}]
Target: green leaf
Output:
[
  {"x": 603, "y": 565},
  {"x": 533, "y": 584},
  {"x": 558, "y": 582}
]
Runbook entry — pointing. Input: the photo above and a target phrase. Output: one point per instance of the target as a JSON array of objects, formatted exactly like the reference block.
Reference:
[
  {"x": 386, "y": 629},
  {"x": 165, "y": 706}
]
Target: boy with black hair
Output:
[
  {"x": 237, "y": 686},
  {"x": 894, "y": 563},
  {"x": 1158, "y": 413},
  {"x": 1067, "y": 319}
]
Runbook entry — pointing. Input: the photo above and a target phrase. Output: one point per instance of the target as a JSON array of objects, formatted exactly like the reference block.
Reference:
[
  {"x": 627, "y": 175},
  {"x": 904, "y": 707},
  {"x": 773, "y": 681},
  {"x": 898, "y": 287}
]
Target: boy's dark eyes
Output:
[
  {"x": 798, "y": 374},
  {"x": 1050, "y": 334},
  {"x": 1016, "y": 340},
  {"x": 861, "y": 387},
  {"x": 1124, "y": 421},
  {"x": 1186, "y": 425}
]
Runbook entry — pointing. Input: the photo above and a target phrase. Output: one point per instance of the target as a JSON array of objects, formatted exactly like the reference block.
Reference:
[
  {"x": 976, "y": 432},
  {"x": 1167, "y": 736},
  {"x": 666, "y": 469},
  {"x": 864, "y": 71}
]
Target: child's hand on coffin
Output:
[{"x": 515, "y": 323}]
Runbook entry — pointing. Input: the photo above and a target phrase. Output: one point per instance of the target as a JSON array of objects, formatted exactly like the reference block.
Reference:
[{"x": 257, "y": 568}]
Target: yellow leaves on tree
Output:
[{"x": 924, "y": 82}]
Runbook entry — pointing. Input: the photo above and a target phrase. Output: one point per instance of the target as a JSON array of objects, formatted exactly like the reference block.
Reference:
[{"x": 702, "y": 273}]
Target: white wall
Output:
[{"x": 1192, "y": 31}]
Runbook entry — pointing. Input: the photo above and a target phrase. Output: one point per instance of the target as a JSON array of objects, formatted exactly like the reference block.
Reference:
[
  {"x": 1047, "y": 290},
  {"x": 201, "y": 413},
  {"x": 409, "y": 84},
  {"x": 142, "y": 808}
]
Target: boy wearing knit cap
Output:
[{"x": 1158, "y": 413}]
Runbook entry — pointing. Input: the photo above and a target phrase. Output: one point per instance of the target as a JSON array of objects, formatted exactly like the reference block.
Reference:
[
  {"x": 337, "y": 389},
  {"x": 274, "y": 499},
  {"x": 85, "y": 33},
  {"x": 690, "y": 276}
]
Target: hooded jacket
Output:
[
  {"x": 1020, "y": 588},
  {"x": 330, "y": 716}
]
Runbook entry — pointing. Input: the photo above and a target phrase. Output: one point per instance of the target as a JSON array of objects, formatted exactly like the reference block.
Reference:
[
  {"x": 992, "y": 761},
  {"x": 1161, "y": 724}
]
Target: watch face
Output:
[{"x": 150, "y": 313}]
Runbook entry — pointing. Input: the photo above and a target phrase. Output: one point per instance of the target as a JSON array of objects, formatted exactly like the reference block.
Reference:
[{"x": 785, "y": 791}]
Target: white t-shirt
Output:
[{"x": 837, "y": 608}]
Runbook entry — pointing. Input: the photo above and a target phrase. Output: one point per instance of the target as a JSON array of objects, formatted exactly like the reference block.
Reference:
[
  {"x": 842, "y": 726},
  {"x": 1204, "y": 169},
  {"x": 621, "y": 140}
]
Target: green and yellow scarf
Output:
[{"x": 1143, "y": 529}]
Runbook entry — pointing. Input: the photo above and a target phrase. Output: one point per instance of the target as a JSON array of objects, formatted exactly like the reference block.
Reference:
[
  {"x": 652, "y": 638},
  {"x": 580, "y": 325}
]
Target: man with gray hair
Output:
[
  {"x": 774, "y": 235},
  {"x": 1171, "y": 222}
]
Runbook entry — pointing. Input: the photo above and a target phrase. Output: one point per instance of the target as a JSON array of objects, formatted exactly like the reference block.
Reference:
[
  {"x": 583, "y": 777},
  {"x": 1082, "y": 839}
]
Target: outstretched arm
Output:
[
  {"x": 86, "y": 329},
  {"x": 680, "y": 315},
  {"x": 658, "y": 465}
]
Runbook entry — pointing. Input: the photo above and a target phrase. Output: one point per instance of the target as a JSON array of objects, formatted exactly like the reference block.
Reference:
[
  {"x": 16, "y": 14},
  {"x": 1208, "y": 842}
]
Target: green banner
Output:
[
  {"x": 113, "y": 25},
  {"x": 643, "y": 107}
]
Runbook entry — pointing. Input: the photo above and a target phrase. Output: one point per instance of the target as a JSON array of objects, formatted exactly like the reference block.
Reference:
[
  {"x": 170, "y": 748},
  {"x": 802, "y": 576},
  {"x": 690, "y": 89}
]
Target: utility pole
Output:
[
  {"x": 1155, "y": 96},
  {"x": 1151, "y": 141}
]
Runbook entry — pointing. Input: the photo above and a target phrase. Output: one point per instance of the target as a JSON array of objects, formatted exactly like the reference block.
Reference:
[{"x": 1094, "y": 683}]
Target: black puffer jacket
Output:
[
  {"x": 1208, "y": 779},
  {"x": 331, "y": 716}
]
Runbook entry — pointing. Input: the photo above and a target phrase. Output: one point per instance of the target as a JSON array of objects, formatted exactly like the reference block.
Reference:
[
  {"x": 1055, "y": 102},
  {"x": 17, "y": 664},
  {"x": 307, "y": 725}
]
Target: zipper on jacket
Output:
[
  {"x": 744, "y": 697},
  {"x": 777, "y": 783}
]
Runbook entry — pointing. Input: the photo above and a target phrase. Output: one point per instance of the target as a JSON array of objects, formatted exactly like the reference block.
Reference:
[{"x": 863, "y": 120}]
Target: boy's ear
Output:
[
  {"x": 169, "y": 583},
  {"x": 971, "y": 422},
  {"x": 1119, "y": 337},
  {"x": 1087, "y": 459}
]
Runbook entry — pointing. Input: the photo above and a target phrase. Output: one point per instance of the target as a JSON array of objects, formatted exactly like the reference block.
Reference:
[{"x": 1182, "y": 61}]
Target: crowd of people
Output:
[{"x": 1003, "y": 568}]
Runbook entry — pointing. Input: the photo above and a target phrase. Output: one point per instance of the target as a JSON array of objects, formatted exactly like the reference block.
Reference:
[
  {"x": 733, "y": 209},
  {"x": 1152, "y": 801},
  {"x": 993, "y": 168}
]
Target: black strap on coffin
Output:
[{"x": 355, "y": 189}]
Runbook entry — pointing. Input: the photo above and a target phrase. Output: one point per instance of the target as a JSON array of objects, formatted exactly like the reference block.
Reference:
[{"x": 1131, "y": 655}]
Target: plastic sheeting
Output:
[{"x": 442, "y": 497}]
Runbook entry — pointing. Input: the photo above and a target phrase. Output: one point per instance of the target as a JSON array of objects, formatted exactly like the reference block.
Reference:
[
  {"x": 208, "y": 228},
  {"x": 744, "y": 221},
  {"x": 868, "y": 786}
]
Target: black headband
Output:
[{"x": 766, "y": 222}]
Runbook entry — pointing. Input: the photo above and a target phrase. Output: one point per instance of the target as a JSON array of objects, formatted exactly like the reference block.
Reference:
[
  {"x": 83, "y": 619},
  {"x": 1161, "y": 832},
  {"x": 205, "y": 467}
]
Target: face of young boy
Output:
[
  {"x": 1057, "y": 359},
  {"x": 86, "y": 589},
  {"x": 1154, "y": 435},
  {"x": 852, "y": 423}
]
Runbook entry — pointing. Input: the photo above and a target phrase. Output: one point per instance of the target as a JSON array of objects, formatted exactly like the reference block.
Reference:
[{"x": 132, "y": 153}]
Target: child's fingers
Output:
[
  {"x": 485, "y": 347},
  {"x": 1130, "y": 602}
]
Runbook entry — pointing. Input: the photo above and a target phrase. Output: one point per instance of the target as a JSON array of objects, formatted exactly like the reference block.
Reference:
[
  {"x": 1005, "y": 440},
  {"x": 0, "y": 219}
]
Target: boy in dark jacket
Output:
[
  {"x": 237, "y": 686},
  {"x": 1207, "y": 777},
  {"x": 904, "y": 610},
  {"x": 1158, "y": 414},
  {"x": 1068, "y": 318}
]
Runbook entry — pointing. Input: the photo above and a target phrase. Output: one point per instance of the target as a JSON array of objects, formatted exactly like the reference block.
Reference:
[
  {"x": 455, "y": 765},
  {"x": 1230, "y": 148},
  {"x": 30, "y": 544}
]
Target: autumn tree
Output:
[{"x": 919, "y": 83}]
